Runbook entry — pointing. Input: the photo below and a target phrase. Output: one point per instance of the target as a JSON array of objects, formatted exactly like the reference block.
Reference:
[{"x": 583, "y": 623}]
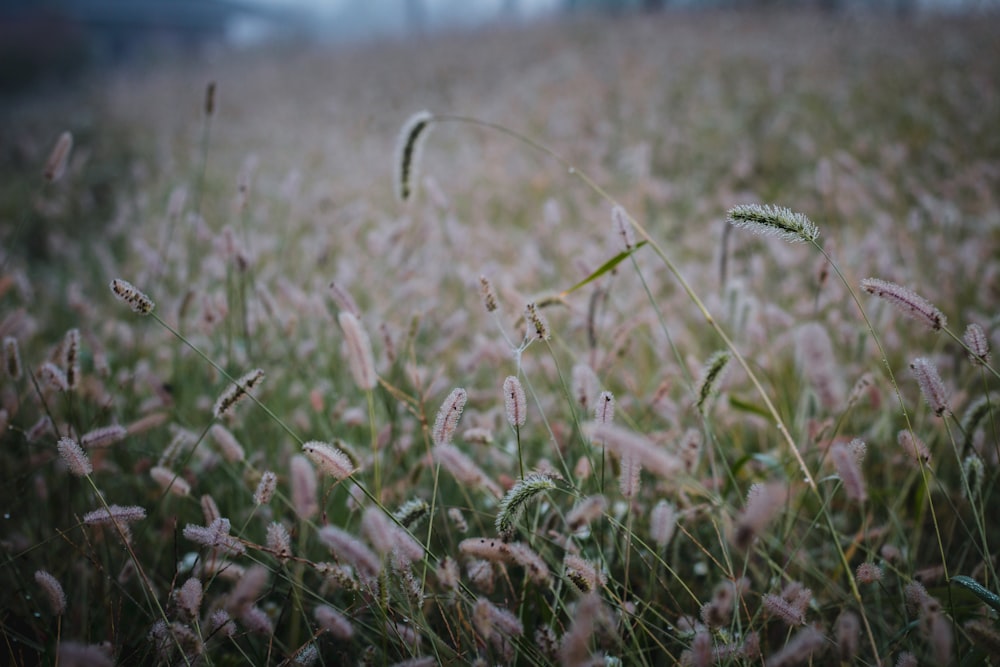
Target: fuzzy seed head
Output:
[
  {"x": 170, "y": 481},
  {"x": 585, "y": 386},
  {"x": 586, "y": 512},
  {"x": 847, "y": 467},
  {"x": 329, "y": 459},
  {"x": 279, "y": 542},
  {"x": 359, "y": 351},
  {"x": 629, "y": 477},
  {"x": 128, "y": 294},
  {"x": 304, "y": 486},
  {"x": 55, "y": 166},
  {"x": 711, "y": 377},
  {"x": 623, "y": 228},
  {"x": 236, "y": 392},
  {"x": 906, "y": 301},
  {"x": 774, "y": 221},
  {"x": 604, "y": 411},
  {"x": 189, "y": 596},
  {"x": 74, "y": 457},
  {"x": 265, "y": 488},
  {"x": 115, "y": 514},
  {"x": 53, "y": 591},
  {"x": 868, "y": 573},
  {"x": 626, "y": 443},
  {"x": 764, "y": 501},
  {"x": 12, "y": 358},
  {"x": 976, "y": 340},
  {"x": 412, "y": 512},
  {"x": 662, "y": 522},
  {"x": 538, "y": 328},
  {"x": 914, "y": 447},
  {"x": 514, "y": 401},
  {"x": 409, "y": 147},
  {"x": 71, "y": 358},
  {"x": 513, "y": 503},
  {"x": 931, "y": 385},
  {"x": 464, "y": 469},
  {"x": 52, "y": 377},
  {"x": 105, "y": 436},
  {"x": 448, "y": 416},
  {"x": 230, "y": 447},
  {"x": 333, "y": 622},
  {"x": 488, "y": 295}
]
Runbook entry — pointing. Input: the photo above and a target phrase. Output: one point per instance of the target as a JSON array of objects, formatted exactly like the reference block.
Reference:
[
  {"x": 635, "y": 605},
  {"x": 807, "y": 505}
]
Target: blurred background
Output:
[{"x": 52, "y": 40}]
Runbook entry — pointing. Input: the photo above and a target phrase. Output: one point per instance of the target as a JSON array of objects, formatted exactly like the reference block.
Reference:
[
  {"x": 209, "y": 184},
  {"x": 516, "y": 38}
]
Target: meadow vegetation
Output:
[{"x": 557, "y": 404}]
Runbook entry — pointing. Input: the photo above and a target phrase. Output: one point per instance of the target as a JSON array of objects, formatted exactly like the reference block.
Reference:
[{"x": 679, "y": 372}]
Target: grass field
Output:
[{"x": 320, "y": 424}]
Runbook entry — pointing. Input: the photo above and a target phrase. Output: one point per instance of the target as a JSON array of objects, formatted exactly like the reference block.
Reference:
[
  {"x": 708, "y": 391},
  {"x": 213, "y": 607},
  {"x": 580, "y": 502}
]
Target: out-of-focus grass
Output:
[{"x": 883, "y": 132}]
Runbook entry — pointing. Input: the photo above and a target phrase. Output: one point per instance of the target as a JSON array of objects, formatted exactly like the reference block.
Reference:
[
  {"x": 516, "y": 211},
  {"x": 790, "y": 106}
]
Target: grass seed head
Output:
[
  {"x": 409, "y": 147},
  {"x": 74, "y": 457},
  {"x": 774, "y": 221},
  {"x": 128, "y": 294},
  {"x": 906, "y": 301},
  {"x": 55, "y": 166}
]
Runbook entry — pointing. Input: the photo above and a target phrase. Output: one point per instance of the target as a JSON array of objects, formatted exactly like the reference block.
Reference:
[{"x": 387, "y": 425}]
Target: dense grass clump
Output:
[{"x": 527, "y": 393}]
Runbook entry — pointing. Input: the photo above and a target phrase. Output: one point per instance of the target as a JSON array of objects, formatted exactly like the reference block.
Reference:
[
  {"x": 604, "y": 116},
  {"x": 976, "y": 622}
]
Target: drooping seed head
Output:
[
  {"x": 514, "y": 501},
  {"x": 906, "y": 301},
  {"x": 774, "y": 221}
]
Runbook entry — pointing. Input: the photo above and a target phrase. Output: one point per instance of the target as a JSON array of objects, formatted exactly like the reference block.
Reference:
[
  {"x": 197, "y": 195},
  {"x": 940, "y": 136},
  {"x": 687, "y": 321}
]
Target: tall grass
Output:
[{"x": 540, "y": 407}]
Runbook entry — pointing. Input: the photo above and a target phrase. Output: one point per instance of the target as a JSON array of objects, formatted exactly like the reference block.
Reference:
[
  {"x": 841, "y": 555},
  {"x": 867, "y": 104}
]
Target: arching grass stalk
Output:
[{"x": 407, "y": 169}]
